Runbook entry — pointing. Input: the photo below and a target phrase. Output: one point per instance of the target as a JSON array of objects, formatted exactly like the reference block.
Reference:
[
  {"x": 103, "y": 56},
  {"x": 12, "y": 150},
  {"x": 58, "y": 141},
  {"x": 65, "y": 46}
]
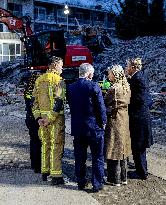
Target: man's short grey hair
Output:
[{"x": 84, "y": 69}]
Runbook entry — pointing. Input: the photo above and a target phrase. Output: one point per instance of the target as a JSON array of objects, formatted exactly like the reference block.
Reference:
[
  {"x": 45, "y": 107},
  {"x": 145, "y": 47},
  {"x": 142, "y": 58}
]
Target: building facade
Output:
[
  {"x": 47, "y": 15},
  {"x": 10, "y": 44}
]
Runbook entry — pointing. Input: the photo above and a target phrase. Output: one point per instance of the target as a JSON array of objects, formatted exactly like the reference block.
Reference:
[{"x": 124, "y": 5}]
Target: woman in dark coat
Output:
[
  {"x": 117, "y": 135},
  {"x": 139, "y": 116}
]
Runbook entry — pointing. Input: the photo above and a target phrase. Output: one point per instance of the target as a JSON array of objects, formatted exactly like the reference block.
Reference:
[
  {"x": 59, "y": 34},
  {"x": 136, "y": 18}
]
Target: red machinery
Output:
[{"x": 42, "y": 45}]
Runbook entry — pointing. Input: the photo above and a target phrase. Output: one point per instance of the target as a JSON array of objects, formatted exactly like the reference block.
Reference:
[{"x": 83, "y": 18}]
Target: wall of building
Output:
[
  {"x": 28, "y": 9},
  {"x": 3, "y": 4},
  {"x": 10, "y": 44}
]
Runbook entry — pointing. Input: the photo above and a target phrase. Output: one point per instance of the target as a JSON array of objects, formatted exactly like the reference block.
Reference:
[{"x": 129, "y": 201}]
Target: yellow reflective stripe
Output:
[
  {"x": 56, "y": 172},
  {"x": 50, "y": 117},
  {"x": 63, "y": 95},
  {"x": 43, "y": 170},
  {"x": 51, "y": 96},
  {"x": 36, "y": 112},
  {"x": 52, "y": 133},
  {"x": 48, "y": 113},
  {"x": 43, "y": 152},
  {"x": 45, "y": 112},
  {"x": 52, "y": 160}
]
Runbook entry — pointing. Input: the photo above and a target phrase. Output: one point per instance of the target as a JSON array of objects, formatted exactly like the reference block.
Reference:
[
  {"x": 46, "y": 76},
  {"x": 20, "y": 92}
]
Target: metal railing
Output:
[{"x": 8, "y": 35}]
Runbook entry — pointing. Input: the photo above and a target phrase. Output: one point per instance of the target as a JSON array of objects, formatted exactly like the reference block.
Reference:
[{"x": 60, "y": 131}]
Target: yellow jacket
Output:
[{"x": 48, "y": 87}]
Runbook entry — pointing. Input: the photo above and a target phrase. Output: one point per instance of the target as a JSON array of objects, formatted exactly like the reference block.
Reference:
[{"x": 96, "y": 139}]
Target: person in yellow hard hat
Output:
[{"x": 48, "y": 110}]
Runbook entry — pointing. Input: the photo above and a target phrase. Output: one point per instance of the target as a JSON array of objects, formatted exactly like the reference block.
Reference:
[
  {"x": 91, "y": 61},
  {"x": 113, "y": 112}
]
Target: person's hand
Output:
[
  {"x": 46, "y": 122},
  {"x": 104, "y": 126},
  {"x": 41, "y": 122}
]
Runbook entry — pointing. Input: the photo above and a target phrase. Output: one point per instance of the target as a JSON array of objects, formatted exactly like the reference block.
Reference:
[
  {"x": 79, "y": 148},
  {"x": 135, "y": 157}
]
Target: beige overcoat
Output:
[{"x": 117, "y": 135}]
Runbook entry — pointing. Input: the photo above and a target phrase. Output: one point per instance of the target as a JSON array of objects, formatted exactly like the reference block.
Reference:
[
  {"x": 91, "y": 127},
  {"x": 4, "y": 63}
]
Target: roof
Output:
[{"x": 85, "y": 4}]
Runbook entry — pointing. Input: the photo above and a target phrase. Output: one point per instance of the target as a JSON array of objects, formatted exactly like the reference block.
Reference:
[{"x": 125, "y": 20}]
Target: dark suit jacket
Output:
[
  {"x": 139, "y": 115},
  {"x": 88, "y": 112}
]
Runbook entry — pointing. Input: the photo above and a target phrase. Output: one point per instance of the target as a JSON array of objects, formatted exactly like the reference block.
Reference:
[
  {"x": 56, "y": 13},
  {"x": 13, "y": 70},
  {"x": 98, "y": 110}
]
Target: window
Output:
[
  {"x": 60, "y": 12},
  {"x": 16, "y": 9},
  {"x": 0, "y": 49},
  {"x": 0, "y": 53},
  {"x": 18, "y": 49},
  {"x": 1, "y": 27},
  {"x": 40, "y": 13},
  {"x": 12, "y": 49},
  {"x": 79, "y": 15},
  {"x": 9, "y": 51},
  {"x": 5, "y": 49}
]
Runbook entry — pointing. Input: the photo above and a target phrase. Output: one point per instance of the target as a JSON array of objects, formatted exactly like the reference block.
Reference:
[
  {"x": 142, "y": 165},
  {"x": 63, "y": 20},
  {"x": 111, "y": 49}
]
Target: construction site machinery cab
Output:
[{"x": 41, "y": 46}]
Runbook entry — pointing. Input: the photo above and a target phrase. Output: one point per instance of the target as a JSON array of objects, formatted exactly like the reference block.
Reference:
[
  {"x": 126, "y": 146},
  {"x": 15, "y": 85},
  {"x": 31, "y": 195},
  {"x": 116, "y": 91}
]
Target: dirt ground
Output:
[{"x": 14, "y": 154}]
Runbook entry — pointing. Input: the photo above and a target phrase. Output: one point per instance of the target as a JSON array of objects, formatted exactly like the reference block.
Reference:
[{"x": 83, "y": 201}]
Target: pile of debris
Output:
[
  {"x": 152, "y": 51},
  {"x": 96, "y": 37},
  {"x": 13, "y": 71}
]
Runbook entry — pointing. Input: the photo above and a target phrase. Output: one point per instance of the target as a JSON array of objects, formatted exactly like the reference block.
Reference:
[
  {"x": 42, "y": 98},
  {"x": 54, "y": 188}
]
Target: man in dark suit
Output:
[
  {"x": 88, "y": 119},
  {"x": 139, "y": 116}
]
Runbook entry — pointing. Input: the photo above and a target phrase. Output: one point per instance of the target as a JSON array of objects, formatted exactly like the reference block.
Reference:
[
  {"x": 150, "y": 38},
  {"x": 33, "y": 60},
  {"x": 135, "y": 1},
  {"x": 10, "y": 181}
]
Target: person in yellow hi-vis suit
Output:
[{"x": 48, "y": 110}]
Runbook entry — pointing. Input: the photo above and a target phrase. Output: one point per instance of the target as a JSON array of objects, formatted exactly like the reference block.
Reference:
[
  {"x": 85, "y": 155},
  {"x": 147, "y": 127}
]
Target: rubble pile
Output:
[
  {"x": 10, "y": 94},
  {"x": 13, "y": 71},
  {"x": 150, "y": 48},
  {"x": 152, "y": 51}
]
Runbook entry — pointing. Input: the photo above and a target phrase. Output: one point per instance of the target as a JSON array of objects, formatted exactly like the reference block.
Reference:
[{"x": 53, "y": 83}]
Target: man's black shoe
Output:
[
  {"x": 44, "y": 176},
  {"x": 135, "y": 175},
  {"x": 143, "y": 177},
  {"x": 95, "y": 190},
  {"x": 57, "y": 181},
  {"x": 81, "y": 187}
]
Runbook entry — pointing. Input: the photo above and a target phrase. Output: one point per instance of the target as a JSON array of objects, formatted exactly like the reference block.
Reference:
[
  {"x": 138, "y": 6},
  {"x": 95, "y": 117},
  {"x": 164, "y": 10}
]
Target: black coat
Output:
[
  {"x": 88, "y": 112},
  {"x": 139, "y": 115}
]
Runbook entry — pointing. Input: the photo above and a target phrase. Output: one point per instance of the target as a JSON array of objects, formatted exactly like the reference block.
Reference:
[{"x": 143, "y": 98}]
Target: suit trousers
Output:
[
  {"x": 140, "y": 161},
  {"x": 80, "y": 151}
]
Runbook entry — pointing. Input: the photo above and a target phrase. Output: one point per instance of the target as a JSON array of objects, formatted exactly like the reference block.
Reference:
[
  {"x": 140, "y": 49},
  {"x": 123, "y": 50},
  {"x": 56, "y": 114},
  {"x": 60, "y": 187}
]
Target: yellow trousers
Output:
[{"x": 53, "y": 138}]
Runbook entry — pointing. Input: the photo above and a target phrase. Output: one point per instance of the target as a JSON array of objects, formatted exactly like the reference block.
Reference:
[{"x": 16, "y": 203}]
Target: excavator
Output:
[{"x": 41, "y": 46}]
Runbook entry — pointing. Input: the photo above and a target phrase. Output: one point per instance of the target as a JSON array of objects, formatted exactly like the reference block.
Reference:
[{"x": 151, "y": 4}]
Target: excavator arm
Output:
[
  {"x": 41, "y": 46},
  {"x": 14, "y": 23}
]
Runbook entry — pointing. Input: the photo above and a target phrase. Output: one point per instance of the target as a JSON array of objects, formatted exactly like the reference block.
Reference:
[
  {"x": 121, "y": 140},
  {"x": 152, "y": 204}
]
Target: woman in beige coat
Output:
[{"x": 117, "y": 139}]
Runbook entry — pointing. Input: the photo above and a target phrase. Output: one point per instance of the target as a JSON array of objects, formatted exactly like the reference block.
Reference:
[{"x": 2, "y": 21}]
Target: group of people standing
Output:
[{"x": 104, "y": 123}]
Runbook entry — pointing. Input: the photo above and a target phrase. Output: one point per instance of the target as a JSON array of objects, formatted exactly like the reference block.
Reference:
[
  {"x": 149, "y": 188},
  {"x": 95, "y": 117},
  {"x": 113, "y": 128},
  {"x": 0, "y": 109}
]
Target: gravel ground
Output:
[{"x": 14, "y": 154}]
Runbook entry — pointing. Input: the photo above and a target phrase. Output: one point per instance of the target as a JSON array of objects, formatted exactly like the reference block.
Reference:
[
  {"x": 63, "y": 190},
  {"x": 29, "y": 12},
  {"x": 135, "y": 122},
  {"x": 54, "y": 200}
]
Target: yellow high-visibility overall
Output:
[{"x": 48, "y": 88}]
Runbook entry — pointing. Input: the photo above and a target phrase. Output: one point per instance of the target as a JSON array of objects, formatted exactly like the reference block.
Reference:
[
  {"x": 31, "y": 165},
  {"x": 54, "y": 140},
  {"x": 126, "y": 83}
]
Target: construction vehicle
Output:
[{"x": 41, "y": 46}]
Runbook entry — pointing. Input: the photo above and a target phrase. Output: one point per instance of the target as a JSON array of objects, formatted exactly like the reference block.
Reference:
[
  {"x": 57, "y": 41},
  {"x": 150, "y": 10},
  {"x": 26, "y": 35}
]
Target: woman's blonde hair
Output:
[
  {"x": 135, "y": 63},
  {"x": 120, "y": 77}
]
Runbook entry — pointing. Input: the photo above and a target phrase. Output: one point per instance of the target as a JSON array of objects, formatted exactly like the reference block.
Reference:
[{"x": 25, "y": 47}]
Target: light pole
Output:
[{"x": 66, "y": 12}]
